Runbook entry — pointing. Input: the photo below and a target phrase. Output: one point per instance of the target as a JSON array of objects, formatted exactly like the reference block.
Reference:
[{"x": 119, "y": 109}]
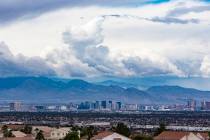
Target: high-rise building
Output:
[
  {"x": 97, "y": 105},
  {"x": 205, "y": 105},
  {"x": 41, "y": 108},
  {"x": 85, "y": 105},
  {"x": 131, "y": 107},
  {"x": 191, "y": 104},
  {"x": 110, "y": 105},
  {"x": 118, "y": 105},
  {"x": 103, "y": 105},
  {"x": 15, "y": 106}
]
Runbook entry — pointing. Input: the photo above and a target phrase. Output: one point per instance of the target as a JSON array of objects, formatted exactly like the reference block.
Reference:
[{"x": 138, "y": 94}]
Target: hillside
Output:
[{"x": 42, "y": 89}]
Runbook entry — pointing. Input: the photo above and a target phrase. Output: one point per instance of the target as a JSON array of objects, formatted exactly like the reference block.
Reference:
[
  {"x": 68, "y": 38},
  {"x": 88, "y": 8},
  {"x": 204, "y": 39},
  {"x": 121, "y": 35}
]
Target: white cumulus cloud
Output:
[{"x": 205, "y": 66}]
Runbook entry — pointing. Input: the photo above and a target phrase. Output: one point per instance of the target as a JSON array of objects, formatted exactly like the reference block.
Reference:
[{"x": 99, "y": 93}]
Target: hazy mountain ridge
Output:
[
  {"x": 177, "y": 93},
  {"x": 42, "y": 89}
]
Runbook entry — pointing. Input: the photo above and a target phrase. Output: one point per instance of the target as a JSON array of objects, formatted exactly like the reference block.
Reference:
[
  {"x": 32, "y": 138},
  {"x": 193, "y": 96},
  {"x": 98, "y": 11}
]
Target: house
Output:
[
  {"x": 1, "y": 134},
  {"x": 84, "y": 137},
  {"x": 59, "y": 133},
  {"x": 51, "y": 133},
  {"x": 106, "y": 135},
  {"x": 18, "y": 134},
  {"x": 45, "y": 129},
  {"x": 180, "y": 135},
  {"x": 14, "y": 126},
  {"x": 18, "y": 138}
]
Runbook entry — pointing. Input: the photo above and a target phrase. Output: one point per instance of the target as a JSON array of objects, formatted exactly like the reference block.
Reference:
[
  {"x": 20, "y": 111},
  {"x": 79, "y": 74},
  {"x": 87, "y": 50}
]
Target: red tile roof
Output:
[
  {"x": 177, "y": 135},
  {"x": 171, "y": 135},
  {"x": 15, "y": 126},
  {"x": 102, "y": 135},
  {"x": 28, "y": 137},
  {"x": 203, "y": 134}
]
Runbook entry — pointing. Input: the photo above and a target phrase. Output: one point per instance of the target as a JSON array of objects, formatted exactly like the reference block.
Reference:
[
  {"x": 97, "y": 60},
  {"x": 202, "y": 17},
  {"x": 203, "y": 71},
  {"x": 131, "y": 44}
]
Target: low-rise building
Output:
[
  {"x": 45, "y": 130},
  {"x": 181, "y": 135},
  {"x": 18, "y": 134},
  {"x": 106, "y": 135},
  {"x": 51, "y": 133},
  {"x": 59, "y": 133}
]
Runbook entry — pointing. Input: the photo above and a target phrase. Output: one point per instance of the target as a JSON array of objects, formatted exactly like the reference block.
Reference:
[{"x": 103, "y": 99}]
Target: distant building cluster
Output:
[
  {"x": 105, "y": 106},
  {"x": 100, "y": 105}
]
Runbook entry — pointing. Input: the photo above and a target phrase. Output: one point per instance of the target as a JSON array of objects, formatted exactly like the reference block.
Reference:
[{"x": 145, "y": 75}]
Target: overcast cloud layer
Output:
[
  {"x": 120, "y": 38},
  {"x": 11, "y": 10}
]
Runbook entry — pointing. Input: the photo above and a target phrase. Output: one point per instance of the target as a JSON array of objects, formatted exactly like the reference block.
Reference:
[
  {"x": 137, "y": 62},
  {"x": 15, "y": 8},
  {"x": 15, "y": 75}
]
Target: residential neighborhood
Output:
[{"x": 120, "y": 132}]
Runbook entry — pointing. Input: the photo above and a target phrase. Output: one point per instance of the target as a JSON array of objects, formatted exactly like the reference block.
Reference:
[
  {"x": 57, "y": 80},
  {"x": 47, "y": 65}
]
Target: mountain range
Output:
[{"x": 51, "y": 90}]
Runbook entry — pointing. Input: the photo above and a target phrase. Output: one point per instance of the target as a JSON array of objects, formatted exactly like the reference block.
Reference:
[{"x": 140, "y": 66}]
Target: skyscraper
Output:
[
  {"x": 118, "y": 105},
  {"x": 15, "y": 106},
  {"x": 191, "y": 104},
  {"x": 103, "y": 105}
]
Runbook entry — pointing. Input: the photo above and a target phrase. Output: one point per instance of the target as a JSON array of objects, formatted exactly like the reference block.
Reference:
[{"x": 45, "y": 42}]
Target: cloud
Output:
[
  {"x": 118, "y": 42},
  {"x": 146, "y": 66},
  {"x": 85, "y": 46},
  {"x": 205, "y": 66},
  {"x": 66, "y": 64},
  {"x": 88, "y": 35},
  {"x": 11, "y": 10},
  {"x": 5, "y": 53},
  {"x": 85, "y": 55},
  {"x": 170, "y": 20},
  {"x": 183, "y": 10},
  {"x": 166, "y": 20},
  {"x": 20, "y": 65}
]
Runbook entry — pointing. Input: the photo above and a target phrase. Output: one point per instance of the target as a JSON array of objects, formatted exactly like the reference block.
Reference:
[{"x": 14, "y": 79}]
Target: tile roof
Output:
[
  {"x": 28, "y": 137},
  {"x": 102, "y": 135},
  {"x": 15, "y": 126},
  {"x": 18, "y": 134},
  {"x": 203, "y": 134},
  {"x": 171, "y": 135},
  {"x": 177, "y": 135}
]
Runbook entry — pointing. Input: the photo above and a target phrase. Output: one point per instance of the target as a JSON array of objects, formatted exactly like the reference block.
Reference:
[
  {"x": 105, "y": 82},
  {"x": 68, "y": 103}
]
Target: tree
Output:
[
  {"x": 142, "y": 137},
  {"x": 88, "y": 131},
  {"x": 4, "y": 127},
  {"x": 6, "y": 131},
  {"x": 121, "y": 128},
  {"x": 72, "y": 136},
  {"x": 27, "y": 129},
  {"x": 75, "y": 128},
  {"x": 161, "y": 128},
  {"x": 40, "y": 136}
]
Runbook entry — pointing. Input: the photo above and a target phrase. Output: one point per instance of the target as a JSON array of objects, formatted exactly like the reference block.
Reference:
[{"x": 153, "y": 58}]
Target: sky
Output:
[{"x": 89, "y": 38}]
